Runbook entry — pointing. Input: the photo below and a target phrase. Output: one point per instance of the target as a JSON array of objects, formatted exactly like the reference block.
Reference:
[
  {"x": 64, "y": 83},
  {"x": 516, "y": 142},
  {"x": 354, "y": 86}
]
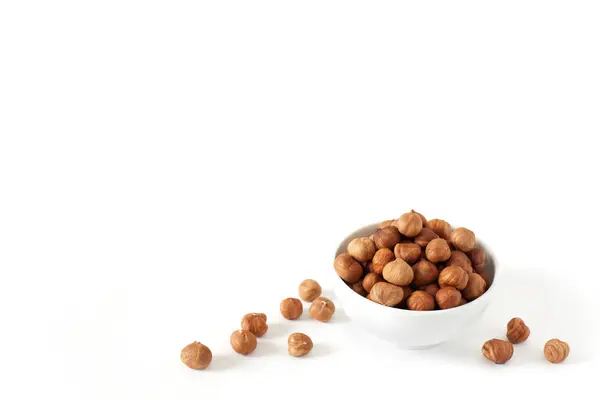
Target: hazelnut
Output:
[
  {"x": 398, "y": 272},
  {"x": 408, "y": 252},
  {"x": 243, "y": 342},
  {"x": 387, "y": 237},
  {"x": 386, "y": 294},
  {"x": 438, "y": 250},
  {"x": 348, "y": 268},
  {"x": 423, "y": 219},
  {"x": 478, "y": 259},
  {"x": 460, "y": 259},
  {"x": 291, "y": 308},
  {"x": 370, "y": 279},
  {"x": 432, "y": 289},
  {"x": 463, "y": 239},
  {"x": 407, "y": 291},
  {"x": 380, "y": 259},
  {"x": 362, "y": 249},
  {"x": 440, "y": 227},
  {"x": 476, "y": 286},
  {"x": 556, "y": 351},
  {"x": 322, "y": 309},
  {"x": 425, "y": 273},
  {"x": 462, "y": 301},
  {"x": 425, "y": 236},
  {"x": 448, "y": 297},
  {"x": 386, "y": 223},
  {"x": 453, "y": 276},
  {"x": 420, "y": 301},
  {"x": 517, "y": 331},
  {"x": 299, "y": 344},
  {"x": 498, "y": 351},
  {"x": 309, "y": 290},
  {"x": 255, "y": 323},
  {"x": 358, "y": 287},
  {"x": 196, "y": 355},
  {"x": 409, "y": 224}
]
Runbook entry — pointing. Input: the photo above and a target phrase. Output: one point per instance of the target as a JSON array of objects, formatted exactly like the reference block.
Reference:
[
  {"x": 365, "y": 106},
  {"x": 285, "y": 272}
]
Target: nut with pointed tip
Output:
[
  {"x": 409, "y": 224},
  {"x": 196, "y": 355},
  {"x": 322, "y": 309},
  {"x": 478, "y": 259},
  {"x": 386, "y": 294},
  {"x": 348, "y": 268},
  {"x": 420, "y": 300},
  {"x": 243, "y": 342},
  {"x": 498, "y": 351},
  {"x": 476, "y": 286},
  {"x": 380, "y": 260},
  {"x": 362, "y": 249},
  {"x": 291, "y": 308},
  {"x": 255, "y": 323},
  {"x": 309, "y": 290},
  {"x": 425, "y": 236},
  {"x": 440, "y": 227},
  {"x": 409, "y": 252},
  {"x": 453, "y": 276},
  {"x": 438, "y": 250},
  {"x": 386, "y": 223},
  {"x": 425, "y": 273},
  {"x": 370, "y": 279},
  {"x": 448, "y": 297},
  {"x": 387, "y": 237},
  {"x": 299, "y": 344},
  {"x": 460, "y": 259},
  {"x": 463, "y": 239},
  {"x": 423, "y": 219},
  {"x": 517, "y": 331},
  {"x": 398, "y": 272},
  {"x": 556, "y": 351}
]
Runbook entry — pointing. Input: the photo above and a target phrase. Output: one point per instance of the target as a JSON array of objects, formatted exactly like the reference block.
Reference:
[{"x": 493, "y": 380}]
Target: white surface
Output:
[{"x": 166, "y": 167}]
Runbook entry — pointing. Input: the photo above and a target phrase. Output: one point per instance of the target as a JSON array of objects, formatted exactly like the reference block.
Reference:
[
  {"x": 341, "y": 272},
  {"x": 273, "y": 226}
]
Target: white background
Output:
[{"x": 168, "y": 166}]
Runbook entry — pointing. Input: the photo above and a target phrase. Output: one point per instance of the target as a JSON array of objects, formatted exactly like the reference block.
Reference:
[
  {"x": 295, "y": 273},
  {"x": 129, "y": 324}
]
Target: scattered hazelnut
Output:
[
  {"x": 243, "y": 342},
  {"x": 432, "y": 289},
  {"x": 424, "y": 273},
  {"x": 462, "y": 301},
  {"x": 370, "y": 279},
  {"x": 423, "y": 219},
  {"x": 348, "y": 268},
  {"x": 386, "y": 223},
  {"x": 420, "y": 301},
  {"x": 556, "y": 351},
  {"x": 386, "y": 294},
  {"x": 387, "y": 237},
  {"x": 438, "y": 250},
  {"x": 299, "y": 344},
  {"x": 408, "y": 252},
  {"x": 196, "y": 355},
  {"x": 463, "y": 239},
  {"x": 460, "y": 259},
  {"x": 498, "y": 351},
  {"x": 425, "y": 236},
  {"x": 309, "y": 290},
  {"x": 476, "y": 286},
  {"x": 478, "y": 259},
  {"x": 398, "y": 272},
  {"x": 362, "y": 249},
  {"x": 380, "y": 259},
  {"x": 517, "y": 331},
  {"x": 453, "y": 276},
  {"x": 440, "y": 227},
  {"x": 448, "y": 297},
  {"x": 322, "y": 309},
  {"x": 358, "y": 287},
  {"x": 255, "y": 323},
  {"x": 291, "y": 308},
  {"x": 409, "y": 224}
]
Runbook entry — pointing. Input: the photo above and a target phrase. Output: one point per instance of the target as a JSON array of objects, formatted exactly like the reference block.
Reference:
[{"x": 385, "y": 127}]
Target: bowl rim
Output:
[{"x": 381, "y": 307}]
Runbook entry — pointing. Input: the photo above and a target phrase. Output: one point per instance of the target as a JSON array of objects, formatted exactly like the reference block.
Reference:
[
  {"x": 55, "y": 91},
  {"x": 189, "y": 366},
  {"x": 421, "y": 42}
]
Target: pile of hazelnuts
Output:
[
  {"x": 415, "y": 264},
  {"x": 254, "y": 325}
]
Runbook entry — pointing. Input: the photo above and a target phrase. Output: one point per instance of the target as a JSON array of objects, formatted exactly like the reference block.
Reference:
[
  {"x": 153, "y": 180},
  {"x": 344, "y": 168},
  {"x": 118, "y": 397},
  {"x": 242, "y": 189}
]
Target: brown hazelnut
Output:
[
  {"x": 438, "y": 250},
  {"x": 386, "y": 294},
  {"x": 291, "y": 308},
  {"x": 348, "y": 268},
  {"x": 398, "y": 272},
  {"x": 478, "y": 259},
  {"x": 243, "y": 342},
  {"x": 386, "y": 223},
  {"x": 299, "y": 344},
  {"x": 556, "y": 351},
  {"x": 407, "y": 291},
  {"x": 409, "y": 224},
  {"x": 453, "y": 276},
  {"x": 448, "y": 297},
  {"x": 440, "y": 227},
  {"x": 387, "y": 237},
  {"x": 423, "y": 219},
  {"x": 358, "y": 287},
  {"x": 463, "y": 239},
  {"x": 425, "y": 273},
  {"x": 196, "y": 355},
  {"x": 380, "y": 259},
  {"x": 322, "y": 309},
  {"x": 420, "y": 301},
  {"x": 309, "y": 290},
  {"x": 476, "y": 286},
  {"x": 255, "y": 323},
  {"x": 425, "y": 236},
  {"x": 408, "y": 252},
  {"x": 362, "y": 249},
  {"x": 460, "y": 259},
  {"x": 463, "y": 301},
  {"x": 498, "y": 351},
  {"x": 517, "y": 331},
  {"x": 370, "y": 279},
  {"x": 432, "y": 289}
]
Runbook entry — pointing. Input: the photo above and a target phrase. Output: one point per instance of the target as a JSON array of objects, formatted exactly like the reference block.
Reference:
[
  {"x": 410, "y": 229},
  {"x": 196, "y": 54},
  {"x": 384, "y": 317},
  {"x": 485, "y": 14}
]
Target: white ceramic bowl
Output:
[{"x": 411, "y": 329}]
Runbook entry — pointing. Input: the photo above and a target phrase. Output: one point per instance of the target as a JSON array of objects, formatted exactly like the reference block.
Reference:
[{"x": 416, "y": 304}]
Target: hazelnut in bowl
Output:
[{"x": 415, "y": 300}]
